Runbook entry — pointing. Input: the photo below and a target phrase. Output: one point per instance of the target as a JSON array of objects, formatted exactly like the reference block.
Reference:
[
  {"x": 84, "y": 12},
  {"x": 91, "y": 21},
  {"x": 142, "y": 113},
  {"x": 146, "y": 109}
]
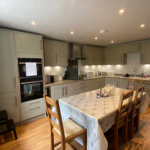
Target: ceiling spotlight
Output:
[
  {"x": 72, "y": 32},
  {"x": 96, "y": 38},
  {"x": 33, "y": 23},
  {"x": 112, "y": 41},
  {"x": 142, "y": 25},
  {"x": 103, "y": 31},
  {"x": 121, "y": 11}
]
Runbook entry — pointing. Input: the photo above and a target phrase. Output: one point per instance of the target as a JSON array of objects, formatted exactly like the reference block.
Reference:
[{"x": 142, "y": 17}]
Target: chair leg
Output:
[
  {"x": 125, "y": 131},
  {"x": 137, "y": 119},
  {"x": 51, "y": 141},
  {"x": 116, "y": 139},
  {"x": 85, "y": 140},
  {"x": 131, "y": 128},
  {"x": 15, "y": 134}
]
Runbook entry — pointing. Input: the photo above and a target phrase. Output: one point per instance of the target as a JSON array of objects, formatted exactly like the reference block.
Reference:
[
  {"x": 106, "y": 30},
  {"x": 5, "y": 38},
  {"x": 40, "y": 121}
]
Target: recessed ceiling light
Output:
[
  {"x": 103, "y": 31},
  {"x": 96, "y": 38},
  {"x": 72, "y": 32},
  {"x": 112, "y": 41},
  {"x": 142, "y": 25},
  {"x": 33, "y": 23},
  {"x": 121, "y": 11}
]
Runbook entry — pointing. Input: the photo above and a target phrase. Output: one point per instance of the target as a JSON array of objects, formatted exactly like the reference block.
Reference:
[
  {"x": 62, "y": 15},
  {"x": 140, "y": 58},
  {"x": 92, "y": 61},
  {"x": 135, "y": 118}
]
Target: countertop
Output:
[{"x": 91, "y": 78}]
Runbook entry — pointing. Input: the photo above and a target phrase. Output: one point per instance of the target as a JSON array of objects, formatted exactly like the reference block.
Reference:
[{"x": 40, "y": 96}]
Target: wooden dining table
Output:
[{"x": 97, "y": 115}]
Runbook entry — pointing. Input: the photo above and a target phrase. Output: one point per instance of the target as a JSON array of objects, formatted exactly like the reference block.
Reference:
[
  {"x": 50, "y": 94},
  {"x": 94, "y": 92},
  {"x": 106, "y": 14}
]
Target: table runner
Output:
[{"x": 97, "y": 115}]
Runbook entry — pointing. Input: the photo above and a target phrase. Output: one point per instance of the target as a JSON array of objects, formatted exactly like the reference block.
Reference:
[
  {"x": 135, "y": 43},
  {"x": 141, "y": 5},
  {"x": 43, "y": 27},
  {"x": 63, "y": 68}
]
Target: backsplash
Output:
[{"x": 133, "y": 61}]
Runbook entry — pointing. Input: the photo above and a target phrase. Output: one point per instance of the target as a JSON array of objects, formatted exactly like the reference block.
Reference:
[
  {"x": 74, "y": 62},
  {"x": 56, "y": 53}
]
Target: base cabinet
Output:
[
  {"x": 112, "y": 81},
  {"x": 10, "y": 103},
  {"x": 123, "y": 83}
]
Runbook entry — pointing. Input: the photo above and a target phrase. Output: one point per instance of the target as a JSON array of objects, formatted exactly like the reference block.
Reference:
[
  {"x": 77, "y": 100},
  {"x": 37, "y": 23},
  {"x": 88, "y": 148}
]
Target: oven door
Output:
[{"x": 31, "y": 90}]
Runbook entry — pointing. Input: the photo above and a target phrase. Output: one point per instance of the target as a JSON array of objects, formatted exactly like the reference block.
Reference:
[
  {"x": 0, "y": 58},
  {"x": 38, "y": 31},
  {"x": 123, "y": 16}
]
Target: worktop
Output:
[{"x": 96, "y": 77}]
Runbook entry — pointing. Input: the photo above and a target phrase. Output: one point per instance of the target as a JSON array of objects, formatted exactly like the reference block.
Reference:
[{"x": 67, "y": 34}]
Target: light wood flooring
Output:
[{"x": 35, "y": 136}]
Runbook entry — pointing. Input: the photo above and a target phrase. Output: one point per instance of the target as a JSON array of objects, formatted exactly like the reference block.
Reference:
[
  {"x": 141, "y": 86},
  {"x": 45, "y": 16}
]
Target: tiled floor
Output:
[{"x": 35, "y": 136}]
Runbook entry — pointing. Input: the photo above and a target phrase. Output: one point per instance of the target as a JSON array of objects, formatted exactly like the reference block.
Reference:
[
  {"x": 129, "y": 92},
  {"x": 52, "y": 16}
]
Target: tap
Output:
[{"x": 135, "y": 72}]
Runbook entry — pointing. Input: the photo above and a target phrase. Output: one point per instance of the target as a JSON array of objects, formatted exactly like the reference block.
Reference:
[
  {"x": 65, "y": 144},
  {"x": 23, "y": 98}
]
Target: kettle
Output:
[{"x": 60, "y": 78}]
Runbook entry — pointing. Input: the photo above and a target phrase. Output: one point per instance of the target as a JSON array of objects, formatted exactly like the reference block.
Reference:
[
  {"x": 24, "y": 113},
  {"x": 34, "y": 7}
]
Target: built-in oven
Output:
[{"x": 31, "y": 86}]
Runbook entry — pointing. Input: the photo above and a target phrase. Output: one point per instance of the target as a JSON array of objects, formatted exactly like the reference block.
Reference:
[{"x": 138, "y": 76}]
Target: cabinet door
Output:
[
  {"x": 123, "y": 83},
  {"x": 112, "y": 81},
  {"x": 67, "y": 90},
  {"x": 50, "y": 53},
  {"x": 7, "y": 62},
  {"x": 145, "y": 53},
  {"x": 57, "y": 92},
  {"x": 101, "y": 83},
  {"x": 89, "y": 55},
  {"x": 131, "y": 48},
  {"x": 95, "y": 84},
  {"x": 28, "y": 43},
  {"x": 10, "y": 103},
  {"x": 62, "y": 53}
]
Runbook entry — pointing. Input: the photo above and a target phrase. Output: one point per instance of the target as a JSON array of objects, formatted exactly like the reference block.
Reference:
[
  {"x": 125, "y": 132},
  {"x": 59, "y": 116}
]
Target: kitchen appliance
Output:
[
  {"x": 75, "y": 52},
  {"x": 89, "y": 74},
  {"x": 31, "y": 87},
  {"x": 126, "y": 75},
  {"x": 104, "y": 73}
]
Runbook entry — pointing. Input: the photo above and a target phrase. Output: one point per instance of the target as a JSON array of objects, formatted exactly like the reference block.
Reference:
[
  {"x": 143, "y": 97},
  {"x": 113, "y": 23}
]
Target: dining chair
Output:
[
  {"x": 121, "y": 118},
  {"x": 65, "y": 131},
  {"x": 134, "y": 82},
  {"x": 135, "y": 112}
]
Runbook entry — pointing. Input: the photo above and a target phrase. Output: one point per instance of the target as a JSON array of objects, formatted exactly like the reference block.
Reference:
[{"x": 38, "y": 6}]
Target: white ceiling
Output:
[{"x": 56, "y": 18}]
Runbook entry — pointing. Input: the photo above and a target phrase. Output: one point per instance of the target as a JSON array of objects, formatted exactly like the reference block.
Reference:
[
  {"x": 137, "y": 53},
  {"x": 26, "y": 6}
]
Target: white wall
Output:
[{"x": 133, "y": 61}]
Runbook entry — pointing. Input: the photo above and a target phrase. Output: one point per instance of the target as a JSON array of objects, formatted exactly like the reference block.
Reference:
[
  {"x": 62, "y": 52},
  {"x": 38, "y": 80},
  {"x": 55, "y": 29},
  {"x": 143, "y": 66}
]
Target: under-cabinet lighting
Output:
[
  {"x": 109, "y": 65},
  {"x": 93, "y": 66},
  {"x": 147, "y": 65}
]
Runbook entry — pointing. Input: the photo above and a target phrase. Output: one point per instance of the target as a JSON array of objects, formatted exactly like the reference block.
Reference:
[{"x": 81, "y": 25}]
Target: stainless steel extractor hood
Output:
[{"x": 75, "y": 52}]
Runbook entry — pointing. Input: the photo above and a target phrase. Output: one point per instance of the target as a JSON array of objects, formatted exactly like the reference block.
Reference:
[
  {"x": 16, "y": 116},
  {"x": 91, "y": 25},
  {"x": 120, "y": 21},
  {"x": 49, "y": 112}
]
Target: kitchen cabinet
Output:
[
  {"x": 101, "y": 83},
  {"x": 8, "y": 64},
  {"x": 94, "y": 55},
  {"x": 10, "y": 103},
  {"x": 131, "y": 48},
  {"x": 114, "y": 56},
  {"x": 55, "y": 53},
  {"x": 113, "y": 81},
  {"x": 28, "y": 43},
  {"x": 66, "y": 88},
  {"x": 123, "y": 83},
  {"x": 145, "y": 52}
]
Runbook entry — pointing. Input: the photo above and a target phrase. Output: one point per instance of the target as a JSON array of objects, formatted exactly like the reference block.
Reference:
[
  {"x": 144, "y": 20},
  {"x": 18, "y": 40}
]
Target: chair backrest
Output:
[
  {"x": 123, "y": 107},
  {"x": 50, "y": 103},
  {"x": 137, "y": 99},
  {"x": 134, "y": 81}
]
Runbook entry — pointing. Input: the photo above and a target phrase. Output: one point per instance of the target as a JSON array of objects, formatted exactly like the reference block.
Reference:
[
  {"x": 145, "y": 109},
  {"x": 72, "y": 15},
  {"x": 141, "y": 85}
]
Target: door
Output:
[
  {"x": 62, "y": 53},
  {"x": 145, "y": 53},
  {"x": 7, "y": 62},
  {"x": 131, "y": 48},
  {"x": 57, "y": 92},
  {"x": 10, "y": 103},
  {"x": 28, "y": 43},
  {"x": 50, "y": 53},
  {"x": 112, "y": 81}
]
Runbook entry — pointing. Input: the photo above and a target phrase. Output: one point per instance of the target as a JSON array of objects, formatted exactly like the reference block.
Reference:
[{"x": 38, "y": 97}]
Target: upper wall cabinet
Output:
[
  {"x": 28, "y": 43},
  {"x": 114, "y": 56},
  {"x": 7, "y": 62},
  {"x": 55, "y": 53},
  {"x": 145, "y": 52},
  {"x": 131, "y": 48},
  {"x": 94, "y": 55}
]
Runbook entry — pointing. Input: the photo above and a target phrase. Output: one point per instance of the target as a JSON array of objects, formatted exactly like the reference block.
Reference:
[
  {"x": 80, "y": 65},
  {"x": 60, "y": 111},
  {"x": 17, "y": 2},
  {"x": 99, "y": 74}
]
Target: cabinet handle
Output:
[
  {"x": 15, "y": 82},
  {"x": 87, "y": 59},
  {"x": 16, "y": 102},
  {"x": 62, "y": 91},
  {"x": 56, "y": 58},
  {"x": 121, "y": 58},
  {"x": 34, "y": 108},
  {"x": 34, "y": 103},
  {"x": 142, "y": 57},
  {"x": 93, "y": 59},
  {"x": 66, "y": 58},
  {"x": 41, "y": 44},
  {"x": 66, "y": 90}
]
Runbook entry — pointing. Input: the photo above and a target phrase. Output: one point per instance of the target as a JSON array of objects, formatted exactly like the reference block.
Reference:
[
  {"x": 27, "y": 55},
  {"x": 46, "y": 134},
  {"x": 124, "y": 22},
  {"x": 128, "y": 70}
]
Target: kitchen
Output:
[{"x": 67, "y": 60}]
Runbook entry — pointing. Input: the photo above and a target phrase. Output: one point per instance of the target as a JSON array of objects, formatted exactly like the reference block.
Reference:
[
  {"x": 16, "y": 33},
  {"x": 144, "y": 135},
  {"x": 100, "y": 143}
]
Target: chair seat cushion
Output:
[{"x": 70, "y": 128}]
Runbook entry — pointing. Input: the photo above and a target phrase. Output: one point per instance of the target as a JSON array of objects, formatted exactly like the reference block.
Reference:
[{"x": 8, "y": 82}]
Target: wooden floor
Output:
[{"x": 35, "y": 136}]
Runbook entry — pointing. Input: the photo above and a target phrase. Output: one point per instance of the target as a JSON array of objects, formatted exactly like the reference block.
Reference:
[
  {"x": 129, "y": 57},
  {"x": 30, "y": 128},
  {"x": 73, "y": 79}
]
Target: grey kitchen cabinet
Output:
[
  {"x": 94, "y": 55},
  {"x": 131, "y": 48},
  {"x": 10, "y": 103},
  {"x": 8, "y": 64},
  {"x": 114, "y": 56},
  {"x": 113, "y": 81},
  {"x": 145, "y": 52},
  {"x": 101, "y": 82},
  {"x": 28, "y": 43},
  {"x": 55, "y": 53},
  {"x": 123, "y": 83}
]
